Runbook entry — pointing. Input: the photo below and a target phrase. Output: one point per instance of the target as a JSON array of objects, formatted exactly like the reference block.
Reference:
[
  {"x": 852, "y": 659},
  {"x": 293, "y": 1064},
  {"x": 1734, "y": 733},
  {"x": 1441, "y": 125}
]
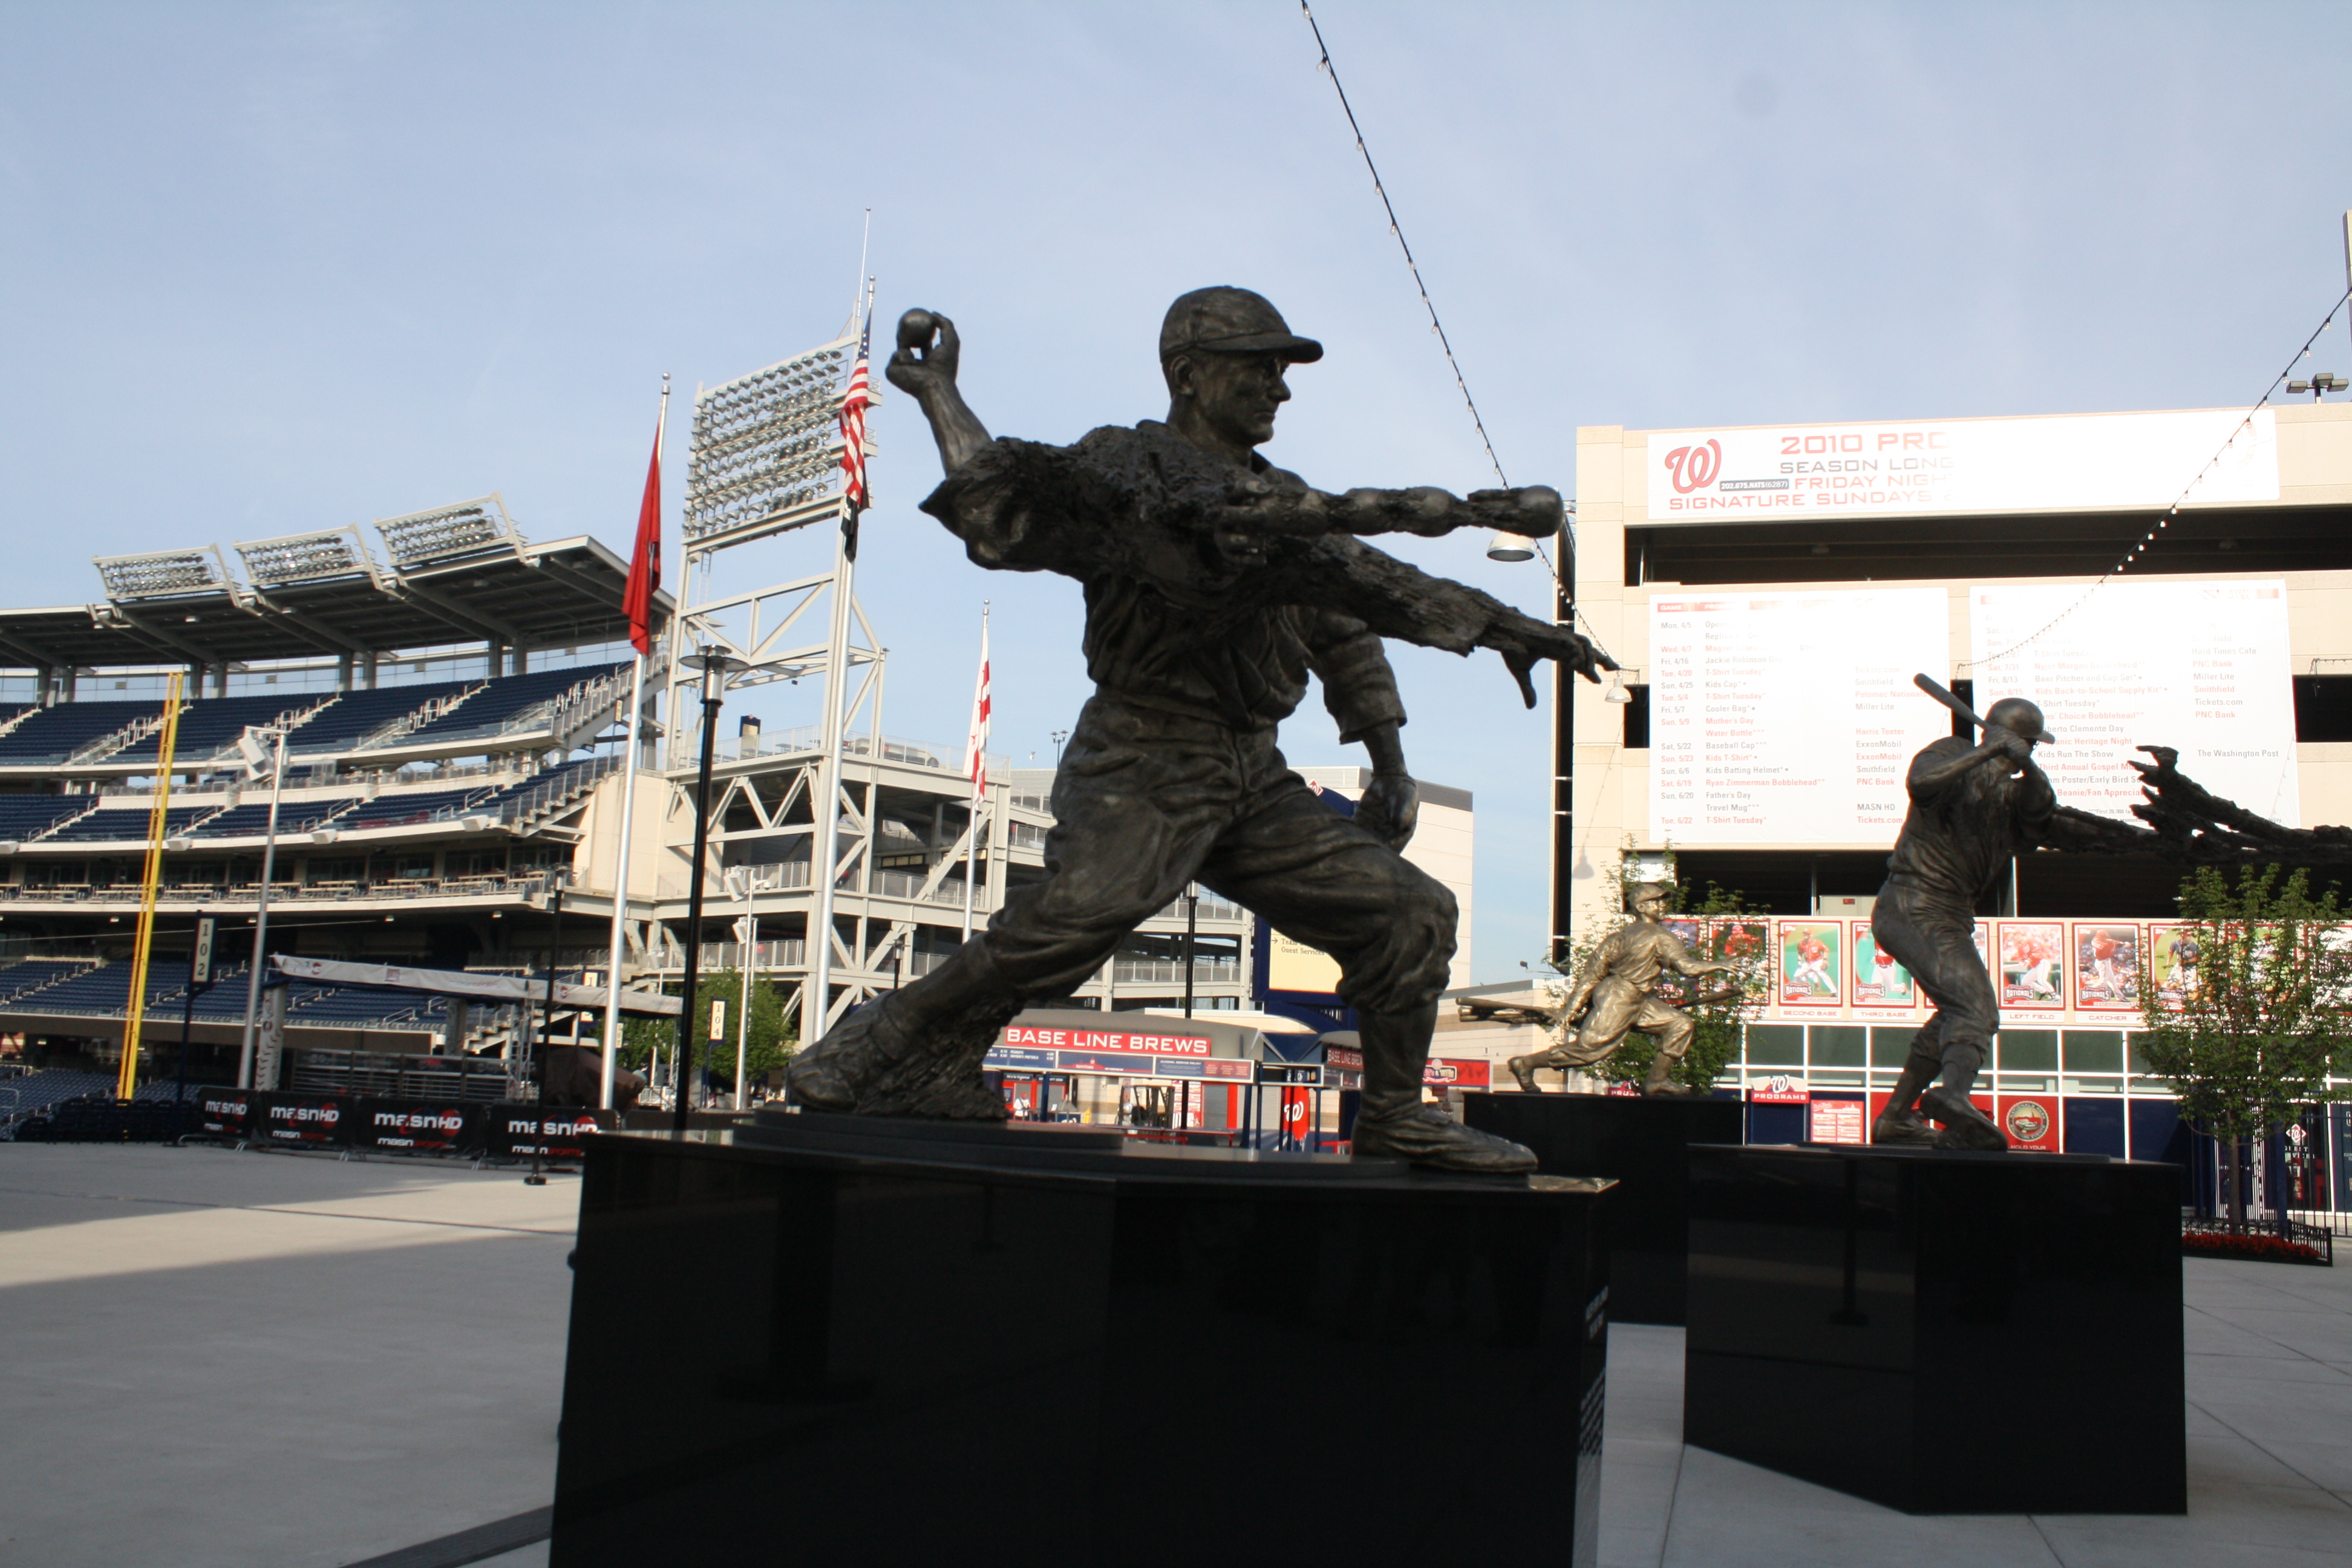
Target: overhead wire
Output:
[
  {"x": 1436, "y": 326},
  {"x": 2164, "y": 520}
]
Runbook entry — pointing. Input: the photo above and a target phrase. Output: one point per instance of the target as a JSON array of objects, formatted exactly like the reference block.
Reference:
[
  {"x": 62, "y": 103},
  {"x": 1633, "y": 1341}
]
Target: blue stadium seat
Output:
[
  {"x": 209, "y": 725},
  {"x": 56, "y": 733},
  {"x": 251, "y": 820},
  {"x": 24, "y": 816},
  {"x": 508, "y": 698},
  {"x": 355, "y": 715},
  {"x": 127, "y": 823}
]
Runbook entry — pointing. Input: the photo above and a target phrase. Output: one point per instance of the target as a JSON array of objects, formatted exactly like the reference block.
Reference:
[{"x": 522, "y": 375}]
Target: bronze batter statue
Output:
[
  {"x": 1972, "y": 809},
  {"x": 1616, "y": 995},
  {"x": 1214, "y": 585}
]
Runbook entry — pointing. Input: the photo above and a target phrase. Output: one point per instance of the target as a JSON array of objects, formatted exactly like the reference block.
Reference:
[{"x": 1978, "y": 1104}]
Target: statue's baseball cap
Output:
[{"x": 1229, "y": 320}]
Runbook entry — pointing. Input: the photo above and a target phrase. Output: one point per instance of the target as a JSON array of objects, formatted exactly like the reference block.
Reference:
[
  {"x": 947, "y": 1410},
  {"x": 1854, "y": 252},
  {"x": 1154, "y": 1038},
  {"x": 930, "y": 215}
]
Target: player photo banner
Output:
[
  {"x": 1811, "y": 956},
  {"x": 2172, "y": 957},
  {"x": 1880, "y": 980},
  {"x": 2032, "y": 973},
  {"x": 2106, "y": 967}
]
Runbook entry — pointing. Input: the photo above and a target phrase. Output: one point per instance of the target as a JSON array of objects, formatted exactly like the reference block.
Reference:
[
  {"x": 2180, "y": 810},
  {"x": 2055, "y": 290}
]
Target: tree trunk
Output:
[{"x": 2237, "y": 1186}]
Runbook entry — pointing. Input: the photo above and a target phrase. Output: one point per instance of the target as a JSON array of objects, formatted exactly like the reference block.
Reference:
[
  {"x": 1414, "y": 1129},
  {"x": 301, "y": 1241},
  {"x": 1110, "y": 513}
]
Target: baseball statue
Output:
[
  {"x": 1616, "y": 994},
  {"x": 1215, "y": 585},
  {"x": 1973, "y": 808}
]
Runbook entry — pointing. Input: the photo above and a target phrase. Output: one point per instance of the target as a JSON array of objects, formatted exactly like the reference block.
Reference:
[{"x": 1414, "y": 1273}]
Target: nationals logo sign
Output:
[
  {"x": 2028, "y": 1121},
  {"x": 1693, "y": 467}
]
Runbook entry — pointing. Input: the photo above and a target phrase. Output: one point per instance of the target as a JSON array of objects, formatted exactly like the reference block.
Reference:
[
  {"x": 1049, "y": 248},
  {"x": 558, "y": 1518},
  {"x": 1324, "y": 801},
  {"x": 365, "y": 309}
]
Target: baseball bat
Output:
[{"x": 1936, "y": 691}]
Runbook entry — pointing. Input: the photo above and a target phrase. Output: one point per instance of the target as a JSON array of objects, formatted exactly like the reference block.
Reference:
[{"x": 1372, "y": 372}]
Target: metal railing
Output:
[
  {"x": 237, "y": 894},
  {"x": 1207, "y": 970},
  {"x": 780, "y": 953}
]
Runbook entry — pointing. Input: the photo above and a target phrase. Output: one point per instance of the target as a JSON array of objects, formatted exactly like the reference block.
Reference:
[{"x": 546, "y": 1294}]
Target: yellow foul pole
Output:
[{"x": 128, "y": 1081}]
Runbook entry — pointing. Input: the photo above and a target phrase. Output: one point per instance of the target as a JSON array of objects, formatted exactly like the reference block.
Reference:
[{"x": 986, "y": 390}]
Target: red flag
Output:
[{"x": 645, "y": 565}]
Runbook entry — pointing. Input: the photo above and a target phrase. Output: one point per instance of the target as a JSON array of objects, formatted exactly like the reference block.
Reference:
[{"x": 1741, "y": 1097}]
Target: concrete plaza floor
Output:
[
  {"x": 267, "y": 1360},
  {"x": 214, "y": 1357}
]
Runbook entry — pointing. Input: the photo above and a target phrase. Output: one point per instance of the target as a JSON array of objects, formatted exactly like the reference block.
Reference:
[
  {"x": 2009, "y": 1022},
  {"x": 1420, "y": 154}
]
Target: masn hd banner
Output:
[{"x": 2066, "y": 462}]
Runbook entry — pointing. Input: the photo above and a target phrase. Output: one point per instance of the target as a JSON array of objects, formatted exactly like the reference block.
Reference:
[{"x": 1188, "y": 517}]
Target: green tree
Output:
[
  {"x": 1729, "y": 1000},
  {"x": 2253, "y": 1035},
  {"x": 773, "y": 1035}
]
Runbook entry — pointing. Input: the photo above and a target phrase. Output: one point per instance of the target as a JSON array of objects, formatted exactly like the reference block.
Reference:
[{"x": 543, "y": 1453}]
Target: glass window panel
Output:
[
  {"x": 2138, "y": 1063},
  {"x": 1891, "y": 1048},
  {"x": 1776, "y": 1045},
  {"x": 2028, "y": 1050},
  {"x": 1840, "y": 1045},
  {"x": 1819, "y": 1079},
  {"x": 2095, "y": 1050}
]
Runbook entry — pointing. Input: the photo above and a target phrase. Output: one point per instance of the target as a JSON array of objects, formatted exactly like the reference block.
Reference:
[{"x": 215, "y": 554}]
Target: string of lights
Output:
[
  {"x": 1436, "y": 326},
  {"x": 2164, "y": 520}
]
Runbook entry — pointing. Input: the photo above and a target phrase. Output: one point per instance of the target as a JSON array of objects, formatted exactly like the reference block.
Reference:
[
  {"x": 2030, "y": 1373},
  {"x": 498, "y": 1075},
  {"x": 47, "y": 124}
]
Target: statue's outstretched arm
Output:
[
  {"x": 1395, "y": 600},
  {"x": 924, "y": 368},
  {"x": 1258, "y": 506}
]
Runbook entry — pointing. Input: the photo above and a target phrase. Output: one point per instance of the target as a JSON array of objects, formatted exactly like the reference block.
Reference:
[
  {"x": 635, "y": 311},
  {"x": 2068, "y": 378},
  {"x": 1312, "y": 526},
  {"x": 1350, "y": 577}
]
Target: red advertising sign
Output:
[
  {"x": 1343, "y": 1057},
  {"x": 1457, "y": 1074},
  {"x": 2031, "y": 1121},
  {"x": 1836, "y": 1122},
  {"x": 1879, "y": 1097},
  {"x": 1107, "y": 1040},
  {"x": 1296, "y": 1106}
]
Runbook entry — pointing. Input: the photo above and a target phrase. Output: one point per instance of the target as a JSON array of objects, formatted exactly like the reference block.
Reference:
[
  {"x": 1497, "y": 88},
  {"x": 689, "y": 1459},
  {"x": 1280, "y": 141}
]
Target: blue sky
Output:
[{"x": 272, "y": 267}]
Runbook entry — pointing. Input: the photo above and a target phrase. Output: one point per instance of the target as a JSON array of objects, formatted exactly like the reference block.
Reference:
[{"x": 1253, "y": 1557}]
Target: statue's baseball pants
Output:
[
  {"x": 1618, "y": 1008},
  {"x": 1146, "y": 801},
  {"x": 1933, "y": 938}
]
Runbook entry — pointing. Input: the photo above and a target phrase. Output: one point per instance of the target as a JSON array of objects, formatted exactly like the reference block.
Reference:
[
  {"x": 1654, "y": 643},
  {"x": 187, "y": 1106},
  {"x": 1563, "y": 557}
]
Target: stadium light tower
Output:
[{"x": 249, "y": 745}]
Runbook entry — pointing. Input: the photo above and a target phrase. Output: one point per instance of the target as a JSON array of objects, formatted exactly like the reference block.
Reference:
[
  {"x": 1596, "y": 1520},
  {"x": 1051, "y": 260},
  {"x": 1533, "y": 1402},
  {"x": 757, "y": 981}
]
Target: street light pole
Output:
[
  {"x": 714, "y": 663},
  {"x": 261, "y": 910},
  {"x": 546, "y": 1029}
]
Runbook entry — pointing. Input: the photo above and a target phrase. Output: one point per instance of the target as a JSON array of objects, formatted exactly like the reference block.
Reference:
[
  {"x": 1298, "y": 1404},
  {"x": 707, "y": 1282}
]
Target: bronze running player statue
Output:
[
  {"x": 1616, "y": 994},
  {"x": 1215, "y": 582}
]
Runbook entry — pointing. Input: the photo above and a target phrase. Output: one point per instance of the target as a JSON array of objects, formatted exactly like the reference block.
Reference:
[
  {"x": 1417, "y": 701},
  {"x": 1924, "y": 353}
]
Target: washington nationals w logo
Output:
[{"x": 1695, "y": 466}]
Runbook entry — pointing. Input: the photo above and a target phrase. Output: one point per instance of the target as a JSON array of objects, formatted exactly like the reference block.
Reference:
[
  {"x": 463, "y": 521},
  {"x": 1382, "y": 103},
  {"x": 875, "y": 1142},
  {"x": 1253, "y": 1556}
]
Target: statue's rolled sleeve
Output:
[{"x": 1358, "y": 687}]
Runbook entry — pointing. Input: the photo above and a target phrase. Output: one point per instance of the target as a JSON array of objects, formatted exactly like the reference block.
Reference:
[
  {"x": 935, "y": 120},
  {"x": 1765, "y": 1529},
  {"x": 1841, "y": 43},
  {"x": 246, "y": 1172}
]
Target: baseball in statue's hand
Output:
[{"x": 927, "y": 349}]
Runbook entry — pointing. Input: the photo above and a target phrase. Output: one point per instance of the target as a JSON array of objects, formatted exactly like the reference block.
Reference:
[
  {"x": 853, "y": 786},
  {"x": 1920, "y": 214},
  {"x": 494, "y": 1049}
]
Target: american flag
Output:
[
  {"x": 975, "y": 748},
  {"x": 853, "y": 438}
]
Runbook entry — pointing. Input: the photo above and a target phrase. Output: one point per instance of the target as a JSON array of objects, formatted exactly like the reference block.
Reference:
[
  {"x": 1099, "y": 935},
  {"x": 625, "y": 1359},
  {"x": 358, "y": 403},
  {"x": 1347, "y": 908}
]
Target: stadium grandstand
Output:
[
  {"x": 453, "y": 712},
  {"x": 453, "y": 700}
]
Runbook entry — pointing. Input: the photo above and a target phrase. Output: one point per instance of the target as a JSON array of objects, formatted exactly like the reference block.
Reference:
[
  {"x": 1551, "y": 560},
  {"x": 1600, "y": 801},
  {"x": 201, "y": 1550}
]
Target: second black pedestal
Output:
[
  {"x": 1941, "y": 1332},
  {"x": 1645, "y": 1146},
  {"x": 828, "y": 1339}
]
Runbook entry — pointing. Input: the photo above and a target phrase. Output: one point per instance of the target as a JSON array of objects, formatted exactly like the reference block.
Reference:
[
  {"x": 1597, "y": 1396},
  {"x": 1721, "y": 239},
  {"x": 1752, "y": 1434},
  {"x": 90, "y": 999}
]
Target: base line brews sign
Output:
[
  {"x": 1789, "y": 717},
  {"x": 2199, "y": 666},
  {"x": 2092, "y": 460}
]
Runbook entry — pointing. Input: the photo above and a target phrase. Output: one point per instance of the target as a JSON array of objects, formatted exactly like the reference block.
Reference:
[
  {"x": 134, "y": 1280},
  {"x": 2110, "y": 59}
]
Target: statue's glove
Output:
[{"x": 1391, "y": 809}]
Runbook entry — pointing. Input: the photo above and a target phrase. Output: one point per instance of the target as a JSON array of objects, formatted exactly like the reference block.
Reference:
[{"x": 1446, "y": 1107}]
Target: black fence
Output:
[{"x": 336, "y": 1122}]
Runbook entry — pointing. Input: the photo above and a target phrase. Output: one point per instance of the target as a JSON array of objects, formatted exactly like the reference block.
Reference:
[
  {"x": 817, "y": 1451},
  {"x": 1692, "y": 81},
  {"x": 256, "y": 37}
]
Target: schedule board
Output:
[
  {"x": 1789, "y": 717},
  {"x": 2202, "y": 667}
]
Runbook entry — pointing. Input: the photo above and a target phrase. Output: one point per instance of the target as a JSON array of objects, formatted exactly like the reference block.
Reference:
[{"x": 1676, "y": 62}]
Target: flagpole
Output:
[
  {"x": 816, "y": 985},
  {"x": 978, "y": 781},
  {"x": 628, "y": 824}
]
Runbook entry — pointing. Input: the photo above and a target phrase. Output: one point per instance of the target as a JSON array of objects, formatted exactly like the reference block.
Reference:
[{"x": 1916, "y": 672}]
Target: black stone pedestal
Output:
[
  {"x": 823, "y": 1339},
  {"x": 1643, "y": 1144},
  {"x": 1941, "y": 1332}
]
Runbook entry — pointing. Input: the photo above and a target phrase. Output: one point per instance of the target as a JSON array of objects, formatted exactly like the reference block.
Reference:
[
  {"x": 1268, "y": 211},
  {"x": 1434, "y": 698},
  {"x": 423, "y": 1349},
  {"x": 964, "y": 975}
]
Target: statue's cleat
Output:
[
  {"x": 831, "y": 1074},
  {"x": 1427, "y": 1136},
  {"x": 1901, "y": 1127},
  {"x": 1525, "y": 1073},
  {"x": 1965, "y": 1127}
]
